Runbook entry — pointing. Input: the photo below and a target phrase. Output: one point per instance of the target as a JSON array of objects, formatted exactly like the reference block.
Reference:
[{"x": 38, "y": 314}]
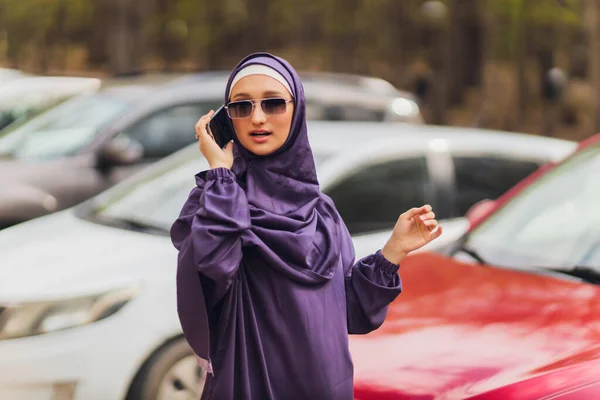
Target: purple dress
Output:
[{"x": 267, "y": 288}]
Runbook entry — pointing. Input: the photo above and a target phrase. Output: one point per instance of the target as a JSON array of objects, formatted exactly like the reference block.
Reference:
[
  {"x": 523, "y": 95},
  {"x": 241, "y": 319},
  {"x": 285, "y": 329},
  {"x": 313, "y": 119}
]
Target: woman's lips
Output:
[{"x": 260, "y": 136}]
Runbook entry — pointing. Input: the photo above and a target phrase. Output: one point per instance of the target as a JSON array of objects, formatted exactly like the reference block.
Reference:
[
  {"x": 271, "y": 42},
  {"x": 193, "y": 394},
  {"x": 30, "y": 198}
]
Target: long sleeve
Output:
[
  {"x": 209, "y": 228},
  {"x": 373, "y": 283}
]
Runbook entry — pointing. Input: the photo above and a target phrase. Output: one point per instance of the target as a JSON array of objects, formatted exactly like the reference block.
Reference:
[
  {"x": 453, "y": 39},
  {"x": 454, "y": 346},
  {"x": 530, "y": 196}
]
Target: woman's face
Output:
[{"x": 260, "y": 133}]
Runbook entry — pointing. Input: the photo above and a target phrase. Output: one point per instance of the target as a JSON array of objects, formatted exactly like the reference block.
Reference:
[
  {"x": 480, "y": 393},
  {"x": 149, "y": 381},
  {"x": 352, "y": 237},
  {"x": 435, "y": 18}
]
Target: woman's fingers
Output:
[
  {"x": 201, "y": 132},
  {"x": 413, "y": 212},
  {"x": 201, "y": 124},
  {"x": 430, "y": 223},
  {"x": 427, "y": 216},
  {"x": 435, "y": 233},
  {"x": 228, "y": 149}
]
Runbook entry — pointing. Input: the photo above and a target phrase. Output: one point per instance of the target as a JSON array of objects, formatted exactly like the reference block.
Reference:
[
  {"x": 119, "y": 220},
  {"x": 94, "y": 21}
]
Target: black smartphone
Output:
[{"x": 220, "y": 127}]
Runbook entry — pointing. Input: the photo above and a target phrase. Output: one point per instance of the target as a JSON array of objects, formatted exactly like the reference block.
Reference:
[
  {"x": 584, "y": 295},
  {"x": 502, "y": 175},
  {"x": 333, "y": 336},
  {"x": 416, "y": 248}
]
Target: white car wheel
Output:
[
  {"x": 184, "y": 381},
  {"x": 170, "y": 374}
]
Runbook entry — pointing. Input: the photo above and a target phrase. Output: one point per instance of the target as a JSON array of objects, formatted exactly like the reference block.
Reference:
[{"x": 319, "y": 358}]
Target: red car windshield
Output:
[{"x": 553, "y": 223}]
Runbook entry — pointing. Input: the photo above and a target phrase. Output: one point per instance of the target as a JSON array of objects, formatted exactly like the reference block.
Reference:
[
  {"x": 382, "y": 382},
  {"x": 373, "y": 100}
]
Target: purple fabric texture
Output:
[{"x": 267, "y": 288}]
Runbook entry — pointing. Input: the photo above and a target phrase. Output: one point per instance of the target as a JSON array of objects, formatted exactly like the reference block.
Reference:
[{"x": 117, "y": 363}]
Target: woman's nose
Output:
[{"x": 258, "y": 115}]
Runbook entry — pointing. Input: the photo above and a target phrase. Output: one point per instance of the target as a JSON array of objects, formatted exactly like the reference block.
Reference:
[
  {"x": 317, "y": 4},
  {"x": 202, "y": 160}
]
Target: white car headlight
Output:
[
  {"x": 30, "y": 319},
  {"x": 405, "y": 107}
]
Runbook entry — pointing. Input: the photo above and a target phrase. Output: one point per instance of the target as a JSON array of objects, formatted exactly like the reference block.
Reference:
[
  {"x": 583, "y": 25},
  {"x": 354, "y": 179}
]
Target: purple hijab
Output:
[
  {"x": 294, "y": 228},
  {"x": 283, "y": 194}
]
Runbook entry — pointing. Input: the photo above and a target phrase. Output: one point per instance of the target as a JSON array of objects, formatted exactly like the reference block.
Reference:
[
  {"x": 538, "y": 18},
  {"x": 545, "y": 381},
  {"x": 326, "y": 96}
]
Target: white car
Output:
[
  {"x": 23, "y": 98},
  {"x": 87, "y": 295},
  {"x": 9, "y": 74}
]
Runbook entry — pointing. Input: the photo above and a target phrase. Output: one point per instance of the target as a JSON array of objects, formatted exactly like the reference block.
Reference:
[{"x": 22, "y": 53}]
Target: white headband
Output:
[{"x": 258, "y": 69}]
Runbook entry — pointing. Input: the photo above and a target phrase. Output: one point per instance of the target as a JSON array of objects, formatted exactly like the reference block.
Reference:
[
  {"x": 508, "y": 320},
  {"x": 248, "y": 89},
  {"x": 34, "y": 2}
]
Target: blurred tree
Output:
[
  {"x": 167, "y": 31},
  {"x": 124, "y": 38},
  {"x": 96, "y": 38},
  {"x": 466, "y": 48},
  {"x": 450, "y": 49},
  {"x": 37, "y": 28},
  {"x": 437, "y": 19},
  {"x": 593, "y": 25}
]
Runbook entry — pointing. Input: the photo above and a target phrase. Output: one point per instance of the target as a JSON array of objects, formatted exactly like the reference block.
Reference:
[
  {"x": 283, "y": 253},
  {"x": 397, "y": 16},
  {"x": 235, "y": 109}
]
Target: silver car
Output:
[
  {"x": 94, "y": 140},
  {"x": 22, "y": 99}
]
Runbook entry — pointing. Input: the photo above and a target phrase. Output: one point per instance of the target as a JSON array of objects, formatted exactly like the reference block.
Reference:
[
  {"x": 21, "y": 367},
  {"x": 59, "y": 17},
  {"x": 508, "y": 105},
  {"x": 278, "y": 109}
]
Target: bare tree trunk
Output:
[
  {"x": 458, "y": 52},
  {"x": 125, "y": 37},
  {"x": 474, "y": 31},
  {"x": 593, "y": 13},
  {"x": 342, "y": 42},
  {"x": 441, "y": 63},
  {"x": 97, "y": 45},
  {"x": 216, "y": 44},
  {"x": 520, "y": 64},
  {"x": 198, "y": 45},
  {"x": 164, "y": 45},
  {"x": 12, "y": 47},
  {"x": 486, "y": 44}
]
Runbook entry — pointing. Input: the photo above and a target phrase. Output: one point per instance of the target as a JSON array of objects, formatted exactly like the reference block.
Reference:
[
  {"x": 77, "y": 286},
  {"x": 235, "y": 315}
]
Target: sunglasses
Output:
[{"x": 245, "y": 108}]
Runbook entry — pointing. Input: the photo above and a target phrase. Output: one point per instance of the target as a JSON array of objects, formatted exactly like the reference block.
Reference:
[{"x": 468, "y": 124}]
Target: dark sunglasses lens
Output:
[
  {"x": 240, "y": 109},
  {"x": 273, "y": 106}
]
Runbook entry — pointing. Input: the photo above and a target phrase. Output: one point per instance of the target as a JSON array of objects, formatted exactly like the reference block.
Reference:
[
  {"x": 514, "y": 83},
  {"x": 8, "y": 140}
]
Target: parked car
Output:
[
  {"x": 449, "y": 168},
  {"x": 372, "y": 84},
  {"x": 24, "y": 98},
  {"x": 89, "y": 143},
  {"x": 511, "y": 311},
  {"x": 360, "y": 98},
  {"x": 9, "y": 74},
  {"x": 346, "y": 97},
  {"x": 98, "y": 279}
]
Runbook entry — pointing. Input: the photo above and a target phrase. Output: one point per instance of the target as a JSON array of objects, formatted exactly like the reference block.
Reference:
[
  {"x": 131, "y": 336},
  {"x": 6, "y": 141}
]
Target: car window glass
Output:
[
  {"x": 342, "y": 112},
  {"x": 314, "y": 111},
  {"x": 156, "y": 198},
  {"x": 168, "y": 130},
  {"x": 66, "y": 129},
  {"x": 372, "y": 198},
  {"x": 555, "y": 222},
  {"x": 17, "y": 116},
  {"x": 479, "y": 178}
]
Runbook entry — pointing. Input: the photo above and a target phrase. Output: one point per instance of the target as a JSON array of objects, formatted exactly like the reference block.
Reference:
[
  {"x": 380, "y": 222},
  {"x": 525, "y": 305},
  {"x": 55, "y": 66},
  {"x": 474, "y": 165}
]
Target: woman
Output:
[{"x": 267, "y": 287}]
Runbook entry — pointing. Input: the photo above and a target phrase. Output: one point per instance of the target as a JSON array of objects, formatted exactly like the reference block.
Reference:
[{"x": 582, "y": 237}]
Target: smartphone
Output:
[{"x": 220, "y": 127}]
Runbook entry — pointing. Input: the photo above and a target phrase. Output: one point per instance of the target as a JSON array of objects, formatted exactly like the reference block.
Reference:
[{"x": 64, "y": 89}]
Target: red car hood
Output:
[{"x": 460, "y": 330}]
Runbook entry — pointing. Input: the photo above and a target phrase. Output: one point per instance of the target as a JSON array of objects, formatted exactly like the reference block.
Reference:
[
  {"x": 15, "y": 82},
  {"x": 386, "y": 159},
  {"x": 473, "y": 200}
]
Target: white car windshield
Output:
[
  {"x": 64, "y": 130},
  {"x": 554, "y": 223},
  {"x": 153, "y": 200},
  {"x": 12, "y": 118}
]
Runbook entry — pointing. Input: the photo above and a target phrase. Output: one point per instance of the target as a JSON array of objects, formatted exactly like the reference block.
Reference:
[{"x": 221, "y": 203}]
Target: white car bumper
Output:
[{"x": 93, "y": 362}]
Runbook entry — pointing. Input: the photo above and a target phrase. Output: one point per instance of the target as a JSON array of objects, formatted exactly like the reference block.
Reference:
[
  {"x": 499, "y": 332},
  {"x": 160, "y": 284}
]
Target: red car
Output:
[{"x": 512, "y": 311}]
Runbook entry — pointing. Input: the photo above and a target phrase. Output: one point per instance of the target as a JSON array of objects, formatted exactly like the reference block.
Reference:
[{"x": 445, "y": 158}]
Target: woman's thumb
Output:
[{"x": 229, "y": 148}]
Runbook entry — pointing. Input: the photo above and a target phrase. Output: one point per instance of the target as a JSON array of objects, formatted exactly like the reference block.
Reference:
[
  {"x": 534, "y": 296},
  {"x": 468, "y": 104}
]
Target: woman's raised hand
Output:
[
  {"x": 216, "y": 157},
  {"x": 414, "y": 229}
]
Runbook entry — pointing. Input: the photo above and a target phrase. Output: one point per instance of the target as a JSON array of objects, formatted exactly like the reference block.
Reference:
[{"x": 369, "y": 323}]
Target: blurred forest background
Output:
[{"x": 522, "y": 65}]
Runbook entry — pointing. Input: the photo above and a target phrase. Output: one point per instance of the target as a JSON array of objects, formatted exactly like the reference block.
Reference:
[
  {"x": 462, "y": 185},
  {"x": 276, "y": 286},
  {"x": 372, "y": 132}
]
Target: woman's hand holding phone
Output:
[{"x": 216, "y": 157}]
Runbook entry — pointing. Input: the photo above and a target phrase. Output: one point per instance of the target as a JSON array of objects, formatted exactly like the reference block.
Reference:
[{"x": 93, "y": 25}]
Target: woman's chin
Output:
[{"x": 262, "y": 149}]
